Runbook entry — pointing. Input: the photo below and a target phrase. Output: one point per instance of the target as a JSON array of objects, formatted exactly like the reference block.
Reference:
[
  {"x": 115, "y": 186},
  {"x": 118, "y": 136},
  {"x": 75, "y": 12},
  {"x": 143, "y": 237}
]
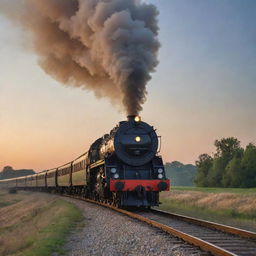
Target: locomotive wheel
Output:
[
  {"x": 116, "y": 200},
  {"x": 100, "y": 184}
]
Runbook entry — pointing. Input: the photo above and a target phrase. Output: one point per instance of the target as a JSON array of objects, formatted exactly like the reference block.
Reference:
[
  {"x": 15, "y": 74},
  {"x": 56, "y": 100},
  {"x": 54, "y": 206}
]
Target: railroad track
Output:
[
  {"x": 209, "y": 236},
  {"x": 219, "y": 240}
]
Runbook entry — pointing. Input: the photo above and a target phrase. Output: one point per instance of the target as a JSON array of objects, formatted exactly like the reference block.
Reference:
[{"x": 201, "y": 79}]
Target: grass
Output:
[
  {"x": 235, "y": 207},
  {"x": 218, "y": 190},
  {"x": 36, "y": 225},
  {"x": 4, "y": 204},
  {"x": 53, "y": 236},
  {"x": 6, "y": 200}
]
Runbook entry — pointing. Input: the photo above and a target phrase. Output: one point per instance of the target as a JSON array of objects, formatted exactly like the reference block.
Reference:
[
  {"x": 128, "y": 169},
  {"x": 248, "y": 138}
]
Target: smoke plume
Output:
[{"x": 107, "y": 46}]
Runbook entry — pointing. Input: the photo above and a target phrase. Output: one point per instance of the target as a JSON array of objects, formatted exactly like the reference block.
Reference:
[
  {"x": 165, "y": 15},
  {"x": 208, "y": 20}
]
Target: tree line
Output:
[
  {"x": 230, "y": 166},
  {"x": 180, "y": 174},
  {"x": 8, "y": 173}
]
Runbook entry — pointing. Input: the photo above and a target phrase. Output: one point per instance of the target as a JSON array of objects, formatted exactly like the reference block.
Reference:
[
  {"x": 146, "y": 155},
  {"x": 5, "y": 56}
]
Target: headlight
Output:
[
  {"x": 160, "y": 176},
  {"x": 116, "y": 176},
  {"x": 137, "y": 119},
  {"x": 160, "y": 170},
  {"x": 138, "y": 139},
  {"x": 113, "y": 170}
]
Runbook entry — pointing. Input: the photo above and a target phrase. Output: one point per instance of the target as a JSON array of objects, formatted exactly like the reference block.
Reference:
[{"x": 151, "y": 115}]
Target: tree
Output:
[
  {"x": 7, "y": 169},
  {"x": 216, "y": 172},
  {"x": 248, "y": 165},
  {"x": 8, "y": 173},
  {"x": 180, "y": 174},
  {"x": 233, "y": 173},
  {"x": 203, "y": 164},
  {"x": 224, "y": 169},
  {"x": 226, "y": 150}
]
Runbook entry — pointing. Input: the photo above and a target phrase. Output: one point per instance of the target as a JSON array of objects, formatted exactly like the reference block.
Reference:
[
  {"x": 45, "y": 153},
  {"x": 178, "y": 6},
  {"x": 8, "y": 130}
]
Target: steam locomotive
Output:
[{"x": 121, "y": 168}]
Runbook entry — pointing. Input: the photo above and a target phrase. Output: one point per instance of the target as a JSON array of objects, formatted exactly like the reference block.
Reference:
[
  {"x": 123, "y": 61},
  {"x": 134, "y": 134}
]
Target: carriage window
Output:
[{"x": 50, "y": 175}]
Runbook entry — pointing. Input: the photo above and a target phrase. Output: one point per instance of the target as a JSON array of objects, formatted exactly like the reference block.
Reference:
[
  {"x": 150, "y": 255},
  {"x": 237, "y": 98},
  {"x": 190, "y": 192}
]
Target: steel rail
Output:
[
  {"x": 209, "y": 224},
  {"x": 203, "y": 245}
]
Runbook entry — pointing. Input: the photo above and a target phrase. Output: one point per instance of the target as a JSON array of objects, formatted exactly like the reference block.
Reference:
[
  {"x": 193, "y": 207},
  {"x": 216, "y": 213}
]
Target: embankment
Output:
[{"x": 34, "y": 223}]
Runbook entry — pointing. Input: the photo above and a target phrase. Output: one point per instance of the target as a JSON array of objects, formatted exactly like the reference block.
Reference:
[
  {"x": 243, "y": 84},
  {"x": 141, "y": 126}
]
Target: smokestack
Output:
[
  {"x": 134, "y": 118},
  {"x": 109, "y": 47},
  {"x": 131, "y": 117}
]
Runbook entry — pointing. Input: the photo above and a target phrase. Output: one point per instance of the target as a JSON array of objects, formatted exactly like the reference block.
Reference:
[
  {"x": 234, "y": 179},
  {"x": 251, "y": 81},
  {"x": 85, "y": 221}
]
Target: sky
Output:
[{"x": 203, "y": 89}]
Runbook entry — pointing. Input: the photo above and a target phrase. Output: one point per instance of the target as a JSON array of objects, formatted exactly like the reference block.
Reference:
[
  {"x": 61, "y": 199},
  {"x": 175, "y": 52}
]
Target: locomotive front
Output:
[
  {"x": 134, "y": 172},
  {"x": 135, "y": 142}
]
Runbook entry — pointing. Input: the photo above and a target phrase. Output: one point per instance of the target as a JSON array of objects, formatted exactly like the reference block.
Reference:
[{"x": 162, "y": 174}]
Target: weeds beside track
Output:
[{"x": 35, "y": 224}]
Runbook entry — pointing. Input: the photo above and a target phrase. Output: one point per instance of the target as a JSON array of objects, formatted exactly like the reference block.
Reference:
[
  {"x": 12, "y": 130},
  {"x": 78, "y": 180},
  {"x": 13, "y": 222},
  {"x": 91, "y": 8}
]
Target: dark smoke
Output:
[{"x": 107, "y": 46}]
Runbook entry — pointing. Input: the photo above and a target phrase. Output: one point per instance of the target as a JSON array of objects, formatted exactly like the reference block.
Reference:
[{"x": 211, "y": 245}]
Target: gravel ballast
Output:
[{"x": 109, "y": 233}]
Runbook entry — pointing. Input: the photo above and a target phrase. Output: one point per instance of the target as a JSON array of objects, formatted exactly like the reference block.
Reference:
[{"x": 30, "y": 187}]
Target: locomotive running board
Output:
[{"x": 98, "y": 163}]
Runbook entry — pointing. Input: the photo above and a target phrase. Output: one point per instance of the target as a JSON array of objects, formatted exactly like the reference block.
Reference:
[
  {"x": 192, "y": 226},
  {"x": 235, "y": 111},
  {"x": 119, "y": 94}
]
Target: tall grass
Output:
[
  {"x": 53, "y": 236},
  {"x": 217, "y": 190},
  {"x": 236, "y": 208},
  {"x": 36, "y": 225}
]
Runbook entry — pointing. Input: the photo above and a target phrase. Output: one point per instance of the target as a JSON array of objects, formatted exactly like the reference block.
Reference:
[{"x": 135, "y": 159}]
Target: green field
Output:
[
  {"x": 35, "y": 224},
  {"x": 235, "y": 207}
]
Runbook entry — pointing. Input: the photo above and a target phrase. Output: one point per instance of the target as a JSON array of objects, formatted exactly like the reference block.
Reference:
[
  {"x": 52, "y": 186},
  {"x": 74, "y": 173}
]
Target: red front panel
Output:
[{"x": 130, "y": 185}]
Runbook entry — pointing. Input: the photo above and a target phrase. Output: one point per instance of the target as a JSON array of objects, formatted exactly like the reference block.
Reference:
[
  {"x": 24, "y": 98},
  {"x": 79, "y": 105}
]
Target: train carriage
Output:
[
  {"x": 3, "y": 184},
  {"x": 12, "y": 183},
  {"x": 41, "y": 180},
  {"x": 51, "y": 178},
  {"x": 79, "y": 171},
  {"x": 29, "y": 181},
  {"x": 64, "y": 176},
  {"x": 21, "y": 182},
  {"x": 6, "y": 183},
  {"x": 34, "y": 181}
]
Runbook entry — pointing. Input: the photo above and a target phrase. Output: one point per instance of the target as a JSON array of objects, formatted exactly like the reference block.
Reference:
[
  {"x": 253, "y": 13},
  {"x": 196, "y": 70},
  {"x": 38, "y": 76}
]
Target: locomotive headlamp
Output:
[
  {"x": 138, "y": 139},
  {"x": 116, "y": 176},
  {"x": 137, "y": 119},
  {"x": 113, "y": 170},
  {"x": 160, "y": 176},
  {"x": 160, "y": 170}
]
